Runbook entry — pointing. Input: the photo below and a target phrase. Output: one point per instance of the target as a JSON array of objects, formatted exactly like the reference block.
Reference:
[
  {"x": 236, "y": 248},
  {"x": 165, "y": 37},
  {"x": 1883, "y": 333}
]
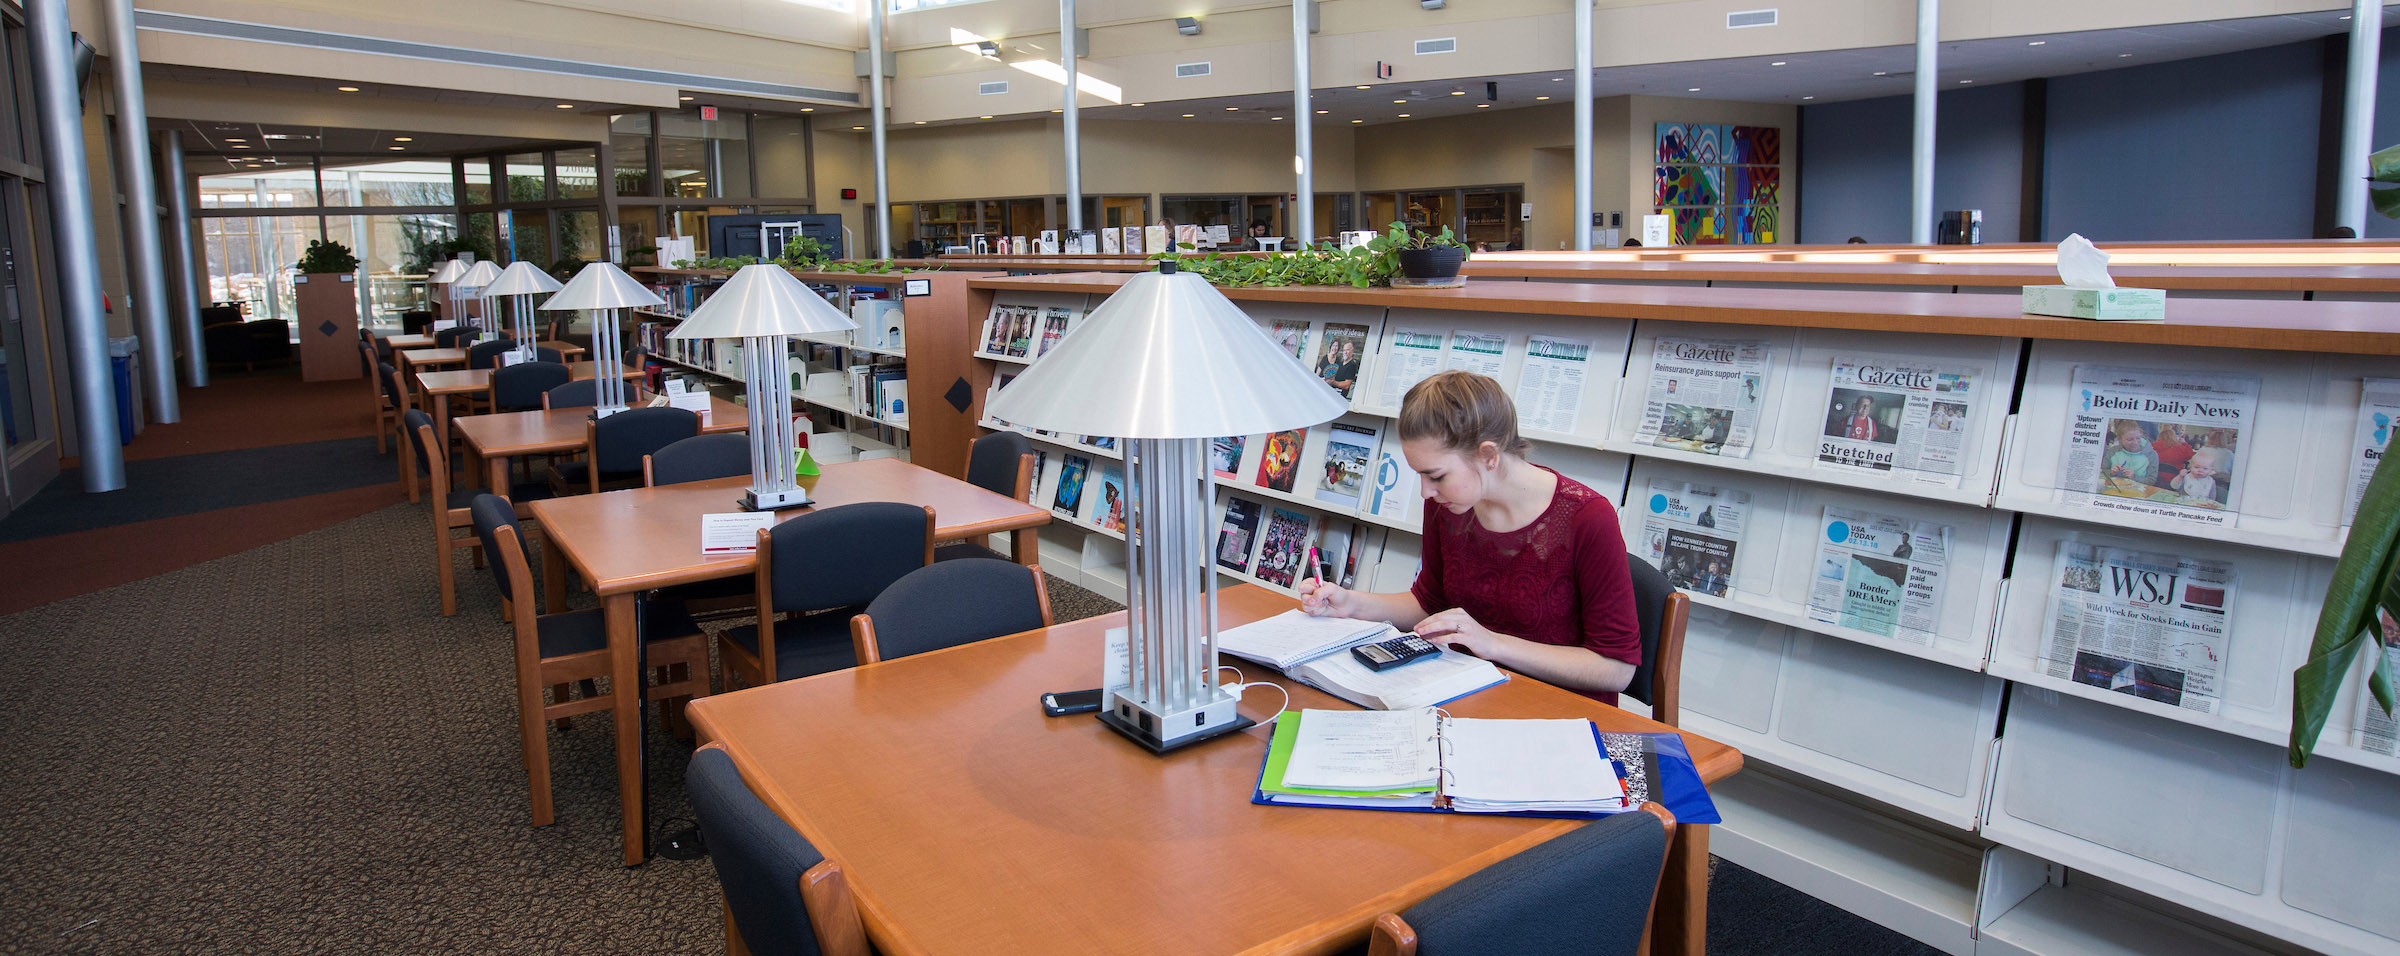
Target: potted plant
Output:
[
  {"x": 323, "y": 257},
  {"x": 1429, "y": 258}
]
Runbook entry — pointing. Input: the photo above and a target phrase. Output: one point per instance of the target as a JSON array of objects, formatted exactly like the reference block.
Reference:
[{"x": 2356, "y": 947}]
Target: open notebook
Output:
[
  {"x": 1316, "y": 651},
  {"x": 1425, "y": 760}
]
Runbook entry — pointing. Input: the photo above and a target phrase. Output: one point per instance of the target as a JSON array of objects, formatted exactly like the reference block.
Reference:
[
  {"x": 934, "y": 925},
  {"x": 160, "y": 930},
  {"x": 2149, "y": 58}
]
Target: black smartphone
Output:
[{"x": 1067, "y": 702}]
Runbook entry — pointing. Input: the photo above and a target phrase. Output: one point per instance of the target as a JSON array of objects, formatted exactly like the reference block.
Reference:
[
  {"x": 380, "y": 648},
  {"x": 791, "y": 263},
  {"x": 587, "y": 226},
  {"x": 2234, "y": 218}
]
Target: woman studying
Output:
[{"x": 1523, "y": 567}]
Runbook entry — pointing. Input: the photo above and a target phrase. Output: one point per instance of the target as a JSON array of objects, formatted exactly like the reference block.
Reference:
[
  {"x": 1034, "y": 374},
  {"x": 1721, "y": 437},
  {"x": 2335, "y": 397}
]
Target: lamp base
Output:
[
  {"x": 1161, "y": 735},
  {"x": 603, "y": 411},
  {"x": 775, "y": 501}
]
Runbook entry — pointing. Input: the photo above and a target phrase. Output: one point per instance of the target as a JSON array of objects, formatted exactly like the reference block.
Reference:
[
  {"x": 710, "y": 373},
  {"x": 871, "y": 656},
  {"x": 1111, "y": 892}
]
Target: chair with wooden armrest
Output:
[
  {"x": 782, "y": 897},
  {"x": 1001, "y": 463},
  {"x": 581, "y": 393},
  {"x": 520, "y": 387},
  {"x": 700, "y": 458},
  {"x": 825, "y": 565},
  {"x": 1662, "y": 612},
  {"x": 614, "y": 446},
  {"x": 1586, "y": 893},
  {"x": 949, "y": 603}
]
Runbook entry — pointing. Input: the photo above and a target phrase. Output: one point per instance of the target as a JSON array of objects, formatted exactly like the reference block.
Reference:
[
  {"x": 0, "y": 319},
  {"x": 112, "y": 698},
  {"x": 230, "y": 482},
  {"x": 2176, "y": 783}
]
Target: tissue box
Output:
[{"x": 2120, "y": 304}]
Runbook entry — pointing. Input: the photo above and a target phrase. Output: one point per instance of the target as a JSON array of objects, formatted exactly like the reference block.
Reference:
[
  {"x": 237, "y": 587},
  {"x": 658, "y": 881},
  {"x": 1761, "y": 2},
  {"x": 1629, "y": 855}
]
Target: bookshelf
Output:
[{"x": 1943, "y": 781}]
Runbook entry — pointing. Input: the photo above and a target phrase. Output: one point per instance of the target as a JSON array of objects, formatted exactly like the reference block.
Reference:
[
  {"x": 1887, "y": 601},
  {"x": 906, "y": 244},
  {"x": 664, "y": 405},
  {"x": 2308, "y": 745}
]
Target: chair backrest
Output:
[
  {"x": 415, "y": 321},
  {"x": 1587, "y": 892},
  {"x": 993, "y": 462},
  {"x": 491, "y": 513},
  {"x": 487, "y": 354},
  {"x": 699, "y": 458},
  {"x": 519, "y": 387},
  {"x": 949, "y": 603},
  {"x": 1660, "y": 611},
  {"x": 448, "y": 338},
  {"x": 391, "y": 384},
  {"x": 620, "y": 440},
  {"x": 784, "y": 897},
  {"x": 366, "y": 358},
  {"x": 582, "y": 393},
  {"x": 430, "y": 458},
  {"x": 845, "y": 555},
  {"x": 220, "y": 314},
  {"x": 547, "y": 354}
]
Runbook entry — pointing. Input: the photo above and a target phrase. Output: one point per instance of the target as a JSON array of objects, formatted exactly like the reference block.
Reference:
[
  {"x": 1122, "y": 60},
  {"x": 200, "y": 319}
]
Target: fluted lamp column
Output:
[
  {"x": 479, "y": 277},
  {"x": 606, "y": 291},
  {"x": 447, "y": 275},
  {"x": 1167, "y": 363},
  {"x": 764, "y": 306},
  {"x": 519, "y": 280}
]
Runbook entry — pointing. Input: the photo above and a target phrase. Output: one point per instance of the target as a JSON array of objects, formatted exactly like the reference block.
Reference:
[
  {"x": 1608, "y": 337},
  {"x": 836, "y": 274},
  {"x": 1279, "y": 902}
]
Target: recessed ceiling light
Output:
[
  {"x": 399, "y": 147},
  {"x": 858, "y": 129},
  {"x": 1965, "y": 82},
  {"x": 404, "y": 139},
  {"x": 1058, "y": 110},
  {"x": 1403, "y": 116},
  {"x": 236, "y": 139},
  {"x": 2037, "y": 43},
  {"x": 1354, "y": 122},
  {"x": 1883, "y": 73},
  {"x": 686, "y": 99},
  {"x": 1776, "y": 63},
  {"x": 1808, "y": 97},
  {"x": 1399, "y": 101},
  {"x": 1364, "y": 87},
  {"x": 241, "y": 146},
  {"x": 1233, "y": 109},
  {"x": 1458, "y": 92},
  {"x": 1558, "y": 79},
  {"x": 808, "y": 109},
  {"x": 1275, "y": 117},
  {"x": 347, "y": 89},
  {"x": 1541, "y": 97},
  {"x": 1483, "y": 106},
  {"x": 2124, "y": 54},
  {"x": 1187, "y": 116},
  {"x": 1323, "y": 112},
  {"x": 919, "y": 123},
  {"x": 1692, "y": 90},
  {"x": 983, "y": 117},
  {"x": 566, "y": 106},
  {"x": 1137, "y": 104}
]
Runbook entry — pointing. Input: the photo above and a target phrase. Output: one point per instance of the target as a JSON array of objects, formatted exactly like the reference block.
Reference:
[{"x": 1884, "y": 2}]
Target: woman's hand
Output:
[
  {"x": 1326, "y": 599},
  {"x": 1456, "y": 627}
]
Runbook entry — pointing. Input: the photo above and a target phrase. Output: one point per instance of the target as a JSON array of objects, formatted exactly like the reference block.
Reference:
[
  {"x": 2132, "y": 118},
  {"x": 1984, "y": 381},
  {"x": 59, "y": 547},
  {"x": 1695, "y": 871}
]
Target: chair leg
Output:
[
  {"x": 444, "y": 571},
  {"x": 536, "y": 743}
]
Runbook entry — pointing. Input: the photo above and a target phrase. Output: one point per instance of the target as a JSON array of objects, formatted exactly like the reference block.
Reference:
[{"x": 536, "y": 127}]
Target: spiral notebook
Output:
[{"x": 1426, "y": 760}]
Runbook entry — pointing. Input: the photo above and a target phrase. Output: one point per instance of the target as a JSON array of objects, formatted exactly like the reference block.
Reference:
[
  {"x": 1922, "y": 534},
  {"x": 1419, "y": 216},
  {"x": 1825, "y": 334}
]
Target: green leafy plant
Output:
[
  {"x": 727, "y": 264},
  {"x": 1366, "y": 266},
  {"x": 802, "y": 252},
  {"x": 323, "y": 256},
  {"x": 2383, "y": 168},
  {"x": 2353, "y": 620}
]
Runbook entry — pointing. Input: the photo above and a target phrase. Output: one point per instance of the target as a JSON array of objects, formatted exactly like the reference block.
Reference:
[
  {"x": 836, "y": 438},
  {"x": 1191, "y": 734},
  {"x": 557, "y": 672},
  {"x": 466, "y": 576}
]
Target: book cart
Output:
[{"x": 1944, "y": 779}]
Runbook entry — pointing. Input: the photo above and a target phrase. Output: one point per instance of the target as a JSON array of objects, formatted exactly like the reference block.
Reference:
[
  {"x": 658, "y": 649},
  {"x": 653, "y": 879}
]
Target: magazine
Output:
[
  {"x": 1340, "y": 353},
  {"x": 1110, "y": 509},
  {"x": 1396, "y": 494},
  {"x": 1879, "y": 574},
  {"x": 1899, "y": 416},
  {"x": 1691, "y": 533},
  {"x": 1041, "y": 460},
  {"x": 995, "y": 329},
  {"x": 1414, "y": 355},
  {"x": 1238, "y": 532},
  {"x": 1704, "y": 395},
  {"x": 1349, "y": 449},
  {"x": 1071, "y": 471},
  {"x": 1279, "y": 461},
  {"x": 1225, "y": 454},
  {"x": 1102, "y": 442},
  {"x": 1020, "y": 332},
  {"x": 1054, "y": 328},
  {"x": 1291, "y": 335},
  {"x": 1285, "y": 550},
  {"x": 1482, "y": 353},
  {"x": 2378, "y": 408},
  {"x": 2139, "y": 623},
  {"x": 1550, "y": 387},
  {"x": 2151, "y": 442}
]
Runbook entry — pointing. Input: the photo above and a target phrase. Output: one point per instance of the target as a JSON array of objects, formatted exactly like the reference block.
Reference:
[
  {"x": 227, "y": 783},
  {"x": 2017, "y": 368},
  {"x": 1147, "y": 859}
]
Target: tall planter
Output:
[{"x": 328, "y": 325}]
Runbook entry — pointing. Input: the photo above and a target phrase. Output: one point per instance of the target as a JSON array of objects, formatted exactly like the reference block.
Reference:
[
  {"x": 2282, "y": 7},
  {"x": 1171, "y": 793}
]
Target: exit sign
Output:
[{"x": 708, "y": 113}]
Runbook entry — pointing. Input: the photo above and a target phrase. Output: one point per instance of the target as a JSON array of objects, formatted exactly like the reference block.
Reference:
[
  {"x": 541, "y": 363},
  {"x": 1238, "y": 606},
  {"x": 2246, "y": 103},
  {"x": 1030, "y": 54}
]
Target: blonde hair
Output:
[{"x": 1460, "y": 411}]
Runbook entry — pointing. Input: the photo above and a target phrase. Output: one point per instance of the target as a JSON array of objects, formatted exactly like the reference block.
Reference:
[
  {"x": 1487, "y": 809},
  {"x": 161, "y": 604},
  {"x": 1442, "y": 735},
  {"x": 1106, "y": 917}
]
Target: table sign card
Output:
[
  {"x": 694, "y": 401},
  {"x": 733, "y": 532}
]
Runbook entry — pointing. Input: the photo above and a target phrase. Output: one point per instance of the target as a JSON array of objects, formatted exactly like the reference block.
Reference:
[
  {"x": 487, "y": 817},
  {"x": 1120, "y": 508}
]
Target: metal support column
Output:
[
  {"x": 1074, "y": 154},
  {"x": 1920, "y": 147},
  {"x": 184, "y": 283},
  {"x": 1304, "y": 147},
  {"x": 74, "y": 246},
  {"x": 2358, "y": 116},
  {"x": 142, "y": 252},
  {"x": 883, "y": 192},
  {"x": 1581, "y": 228}
]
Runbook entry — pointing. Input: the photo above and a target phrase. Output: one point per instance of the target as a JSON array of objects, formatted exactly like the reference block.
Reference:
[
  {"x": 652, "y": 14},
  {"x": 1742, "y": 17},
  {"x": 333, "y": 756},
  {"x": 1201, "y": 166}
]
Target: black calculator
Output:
[{"x": 1395, "y": 652}]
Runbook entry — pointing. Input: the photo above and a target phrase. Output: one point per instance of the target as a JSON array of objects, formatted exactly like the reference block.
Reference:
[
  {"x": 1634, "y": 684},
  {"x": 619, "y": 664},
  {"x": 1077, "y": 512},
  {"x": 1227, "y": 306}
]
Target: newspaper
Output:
[
  {"x": 1704, "y": 395},
  {"x": 1690, "y": 532},
  {"x": 2375, "y": 731},
  {"x": 2378, "y": 408},
  {"x": 2152, "y": 442},
  {"x": 1899, "y": 416},
  {"x": 2140, "y": 623},
  {"x": 1415, "y": 354},
  {"x": 1550, "y": 388},
  {"x": 1880, "y": 574},
  {"x": 1478, "y": 352}
]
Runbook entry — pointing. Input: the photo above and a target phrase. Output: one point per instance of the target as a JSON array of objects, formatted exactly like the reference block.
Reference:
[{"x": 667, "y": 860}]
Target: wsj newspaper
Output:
[
  {"x": 2153, "y": 442},
  {"x": 1704, "y": 395},
  {"x": 2378, "y": 410},
  {"x": 1690, "y": 532},
  {"x": 2140, "y": 623},
  {"x": 1879, "y": 574},
  {"x": 1898, "y": 416}
]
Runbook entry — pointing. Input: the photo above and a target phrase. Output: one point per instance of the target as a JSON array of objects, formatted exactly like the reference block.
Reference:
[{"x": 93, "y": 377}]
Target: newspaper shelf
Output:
[
  {"x": 2072, "y": 920},
  {"x": 1918, "y": 882},
  {"x": 1980, "y": 497},
  {"x": 2318, "y": 547},
  {"x": 1802, "y": 621}
]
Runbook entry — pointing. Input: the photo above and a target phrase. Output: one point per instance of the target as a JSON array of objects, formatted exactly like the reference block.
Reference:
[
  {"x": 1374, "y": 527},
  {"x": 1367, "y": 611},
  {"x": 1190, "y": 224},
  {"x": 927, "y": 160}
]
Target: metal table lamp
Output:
[
  {"x": 1166, "y": 364},
  {"x": 519, "y": 280},
  {"x": 605, "y": 290},
  {"x": 446, "y": 276},
  {"x": 765, "y": 307},
  {"x": 471, "y": 285}
]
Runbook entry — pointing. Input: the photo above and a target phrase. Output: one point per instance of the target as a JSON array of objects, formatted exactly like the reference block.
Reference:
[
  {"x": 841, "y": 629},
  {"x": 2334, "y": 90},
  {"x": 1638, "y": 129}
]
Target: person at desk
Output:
[
  {"x": 1256, "y": 240},
  {"x": 1523, "y": 566}
]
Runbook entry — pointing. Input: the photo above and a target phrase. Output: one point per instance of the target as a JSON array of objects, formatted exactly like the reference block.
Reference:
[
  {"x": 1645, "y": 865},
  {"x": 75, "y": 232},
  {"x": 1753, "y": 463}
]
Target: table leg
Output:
[
  {"x": 625, "y": 686},
  {"x": 1679, "y": 924},
  {"x": 1026, "y": 542},
  {"x": 554, "y": 575},
  {"x": 496, "y": 477}
]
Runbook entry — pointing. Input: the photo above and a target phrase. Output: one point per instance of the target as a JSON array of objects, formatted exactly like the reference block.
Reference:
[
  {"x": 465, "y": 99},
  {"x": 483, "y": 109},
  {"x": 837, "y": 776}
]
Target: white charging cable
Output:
[{"x": 1240, "y": 689}]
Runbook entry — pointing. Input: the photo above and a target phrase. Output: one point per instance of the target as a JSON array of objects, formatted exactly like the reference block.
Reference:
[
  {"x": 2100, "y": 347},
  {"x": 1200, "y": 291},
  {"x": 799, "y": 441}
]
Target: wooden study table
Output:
[
  {"x": 398, "y": 342},
  {"x": 623, "y": 543},
  {"x": 970, "y": 823},
  {"x": 408, "y": 361},
  {"x": 440, "y": 385},
  {"x": 499, "y": 437}
]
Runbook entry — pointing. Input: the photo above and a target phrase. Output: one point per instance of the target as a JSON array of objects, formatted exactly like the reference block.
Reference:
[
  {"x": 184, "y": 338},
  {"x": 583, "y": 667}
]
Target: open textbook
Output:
[{"x": 1316, "y": 651}]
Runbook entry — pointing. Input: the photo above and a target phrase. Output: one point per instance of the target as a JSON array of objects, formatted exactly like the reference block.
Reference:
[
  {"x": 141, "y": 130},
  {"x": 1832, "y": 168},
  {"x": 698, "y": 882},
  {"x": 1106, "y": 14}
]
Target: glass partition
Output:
[
  {"x": 578, "y": 173},
  {"x": 629, "y": 153}
]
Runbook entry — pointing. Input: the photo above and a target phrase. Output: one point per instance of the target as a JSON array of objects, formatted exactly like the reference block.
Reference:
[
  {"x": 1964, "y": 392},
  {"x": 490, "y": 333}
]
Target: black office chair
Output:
[
  {"x": 698, "y": 458},
  {"x": 487, "y": 354},
  {"x": 1587, "y": 893},
  {"x": 581, "y": 393},
  {"x": 782, "y": 897},
  {"x": 415, "y": 321},
  {"x": 1661, "y": 611},
  {"x": 614, "y": 447},
  {"x": 823, "y": 566},
  {"x": 397, "y": 399},
  {"x": 519, "y": 388},
  {"x": 1001, "y": 463},
  {"x": 451, "y": 338},
  {"x": 950, "y": 603}
]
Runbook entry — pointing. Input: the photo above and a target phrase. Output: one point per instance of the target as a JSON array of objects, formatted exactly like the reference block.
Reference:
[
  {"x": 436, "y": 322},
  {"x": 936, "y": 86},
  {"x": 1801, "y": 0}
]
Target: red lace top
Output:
[{"x": 1559, "y": 580}]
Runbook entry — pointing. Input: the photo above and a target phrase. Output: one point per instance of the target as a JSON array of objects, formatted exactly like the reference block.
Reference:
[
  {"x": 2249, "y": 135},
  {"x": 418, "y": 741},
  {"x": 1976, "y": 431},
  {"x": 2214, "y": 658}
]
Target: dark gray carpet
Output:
[{"x": 188, "y": 484}]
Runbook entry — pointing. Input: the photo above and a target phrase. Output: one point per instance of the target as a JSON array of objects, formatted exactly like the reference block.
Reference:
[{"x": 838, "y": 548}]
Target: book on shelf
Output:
[
  {"x": 1237, "y": 532},
  {"x": 1422, "y": 759},
  {"x": 1112, "y": 241}
]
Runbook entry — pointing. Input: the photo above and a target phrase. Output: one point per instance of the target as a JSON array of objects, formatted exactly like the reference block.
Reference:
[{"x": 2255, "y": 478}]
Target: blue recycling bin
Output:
[{"x": 121, "y": 355}]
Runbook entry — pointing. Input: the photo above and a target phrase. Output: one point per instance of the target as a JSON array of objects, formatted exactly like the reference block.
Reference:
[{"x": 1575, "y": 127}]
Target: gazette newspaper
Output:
[
  {"x": 2141, "y": 623},
  {"x": 1899, "y": 416},
  {"x": 1704, "y": 395}
]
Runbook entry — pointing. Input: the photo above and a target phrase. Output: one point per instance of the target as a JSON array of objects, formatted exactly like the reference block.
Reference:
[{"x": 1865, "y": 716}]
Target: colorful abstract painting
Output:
[{"x": 1720, "y": 183}]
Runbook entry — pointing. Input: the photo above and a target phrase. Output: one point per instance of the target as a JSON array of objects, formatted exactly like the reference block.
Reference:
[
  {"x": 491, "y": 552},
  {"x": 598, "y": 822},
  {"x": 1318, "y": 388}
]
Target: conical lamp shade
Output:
[
  {"x": 762, "y": 299},
  {"x": 521, "y": 278},
  {"x": 601, "y": 285},
  {"x": 1167, "y": 356},
  {"x": 482, "y": 273},
  {"x": 449, "y": 271}
]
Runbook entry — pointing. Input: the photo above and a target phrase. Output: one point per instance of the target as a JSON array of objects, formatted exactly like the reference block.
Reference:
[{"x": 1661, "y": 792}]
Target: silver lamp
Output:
[
  {"x": 519, "y": 280},
  {"x": 605, "y": 290},
  {"x": 765, "y": 307},
  {"x": 1168, "y": 363},
  {"x": 471, "y": 285},
  {"x": 446, "y": 276}
]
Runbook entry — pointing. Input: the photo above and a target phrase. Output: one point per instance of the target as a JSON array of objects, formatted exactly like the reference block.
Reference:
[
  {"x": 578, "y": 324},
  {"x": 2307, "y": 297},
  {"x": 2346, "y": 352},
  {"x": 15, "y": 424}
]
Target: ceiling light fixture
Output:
[
  {"x": 241, "y": 146},
  {"x": 2124, "y": 54},
  {"x": 1275, "y": 117},
  {"x": 1355, "y": 122},
  {"x": 347, "y": 89},
  {"x": 858, "y": 129},
  {"x": 988, "y": 49},
  {"x": 1965, "y": 82},
  {"x": 1776, "y": 63},
  {"x": 2037, "y": 43},
  {"x": 1363, "y": 86},
  {"x": 236, "y": 139},
  {"x": 1458, "y": 92},
  {"x": 399, "y": 147},
  {"x": 1137, "y": 104},
  {"x": 686, "y": 99},
  {"x": 808, "y": 109},
  {"x": 1483, "y": 106},
  {"x": 1188, "y": 26},
  {"x": 1399, "y": 101},
  {"x": 1323, "y": 112},
  {"x": 1808, "y": 97},
  {"x": 1233, "y": 109},
  {"x": 918, "y": 123},
  {"x": 1187, "y": 116},
  {"x": 566, "y": 106},
  {"x": 1693, "y": 90},
  {"x": 404, "y": 139},
  {"x": 1541, "y": 97},
  {"x": 1883, "y": 73},
  {"x": 1403, "y": 116},
  {"x": 983, "y": 117}
]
